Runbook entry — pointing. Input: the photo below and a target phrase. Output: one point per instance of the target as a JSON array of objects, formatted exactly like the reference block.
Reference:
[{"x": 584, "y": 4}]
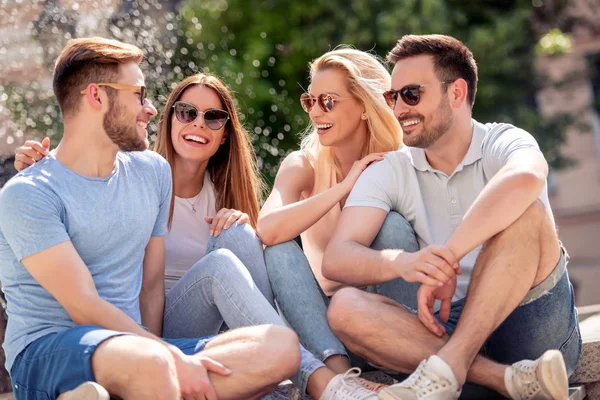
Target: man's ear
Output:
[
  {"x": 95, "y": 97},
  {"x": 458, "y": 92}
]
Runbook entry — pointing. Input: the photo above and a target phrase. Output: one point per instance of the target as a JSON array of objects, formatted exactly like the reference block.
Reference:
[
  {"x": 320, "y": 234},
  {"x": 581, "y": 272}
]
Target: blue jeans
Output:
[
  {"x": 302, "y": 301},
  {"x": 228, "y": 285},
  {"x": 548, "y": 322},
  {"x": 59, "y": 362}
]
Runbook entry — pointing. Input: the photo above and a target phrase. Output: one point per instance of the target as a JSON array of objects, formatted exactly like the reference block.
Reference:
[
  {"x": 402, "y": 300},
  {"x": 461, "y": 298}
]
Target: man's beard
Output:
[
  {"x": 441, "y": 121},
  {"x": 122, "y": 129}
]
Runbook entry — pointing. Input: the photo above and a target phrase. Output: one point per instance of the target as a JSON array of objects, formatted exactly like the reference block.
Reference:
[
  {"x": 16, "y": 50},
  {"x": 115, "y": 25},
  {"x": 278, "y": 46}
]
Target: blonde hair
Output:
[
  {"x": 367, "y": 79},
  {"x": 88, "y": 60},
  {"x": 233, "y": 167}
]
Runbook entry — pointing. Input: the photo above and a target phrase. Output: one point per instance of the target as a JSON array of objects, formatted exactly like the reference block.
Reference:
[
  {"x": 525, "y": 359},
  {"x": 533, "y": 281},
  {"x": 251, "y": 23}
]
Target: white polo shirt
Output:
[{"x": 433, "y": 202}]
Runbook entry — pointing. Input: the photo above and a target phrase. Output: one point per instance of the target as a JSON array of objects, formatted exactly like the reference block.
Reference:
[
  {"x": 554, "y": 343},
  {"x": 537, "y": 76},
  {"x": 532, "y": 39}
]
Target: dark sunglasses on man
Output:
[
  {"x": 410, "y": 94},
  {"x": 187, "y": 113}
]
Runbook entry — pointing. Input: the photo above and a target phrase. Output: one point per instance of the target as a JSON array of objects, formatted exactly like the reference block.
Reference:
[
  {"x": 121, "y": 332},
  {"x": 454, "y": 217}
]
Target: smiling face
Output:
[
  {"x": 195, "y": 141},
  {"x": 424, "y": 123},
  {"x": 126, "y": 120},
  {"x": 343, "y": 122}
]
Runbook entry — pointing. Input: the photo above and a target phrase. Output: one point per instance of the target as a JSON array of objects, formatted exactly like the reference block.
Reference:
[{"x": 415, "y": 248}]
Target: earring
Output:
[{"x": 363, "y": 116}]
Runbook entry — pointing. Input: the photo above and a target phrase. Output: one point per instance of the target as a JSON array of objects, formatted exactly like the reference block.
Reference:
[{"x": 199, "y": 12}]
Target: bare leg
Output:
[
  {"x": 133, "y": 367},
  {"x": 510, "y": 264},
  {"x": 259, "y": 357},
  {"x": 338, "y": 363},
  {"x": 393, "y": 337}
]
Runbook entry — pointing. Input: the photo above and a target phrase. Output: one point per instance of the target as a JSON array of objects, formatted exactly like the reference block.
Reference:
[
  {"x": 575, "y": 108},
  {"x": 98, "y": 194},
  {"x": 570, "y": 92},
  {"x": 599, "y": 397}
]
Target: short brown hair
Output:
[
  {"x": 88, "y": 60},
  {"x": 451, "y": 58}
]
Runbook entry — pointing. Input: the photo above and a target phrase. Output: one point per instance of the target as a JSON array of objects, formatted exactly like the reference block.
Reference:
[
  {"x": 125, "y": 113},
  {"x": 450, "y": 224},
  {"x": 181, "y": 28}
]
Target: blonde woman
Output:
[{"x": 350, "y": 127}]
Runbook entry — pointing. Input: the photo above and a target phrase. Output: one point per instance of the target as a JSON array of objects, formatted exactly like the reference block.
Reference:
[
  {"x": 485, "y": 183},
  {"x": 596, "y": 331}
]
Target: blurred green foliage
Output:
[{"x": 261, "y": 48}]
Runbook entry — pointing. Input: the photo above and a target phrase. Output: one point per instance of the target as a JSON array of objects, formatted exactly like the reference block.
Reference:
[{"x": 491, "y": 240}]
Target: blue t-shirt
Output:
[{"x": 108, "y": 220}]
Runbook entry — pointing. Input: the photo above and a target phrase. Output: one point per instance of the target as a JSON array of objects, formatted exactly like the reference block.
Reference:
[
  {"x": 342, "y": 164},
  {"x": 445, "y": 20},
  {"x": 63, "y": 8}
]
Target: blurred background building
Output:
[{"x": 539, "y": 67}]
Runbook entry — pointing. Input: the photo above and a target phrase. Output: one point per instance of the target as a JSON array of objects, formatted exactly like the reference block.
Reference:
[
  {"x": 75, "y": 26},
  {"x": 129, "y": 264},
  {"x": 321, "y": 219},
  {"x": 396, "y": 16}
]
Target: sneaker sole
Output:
[
  {"x": 552, "y": 375},
  {"x": 86, "y": 391}
]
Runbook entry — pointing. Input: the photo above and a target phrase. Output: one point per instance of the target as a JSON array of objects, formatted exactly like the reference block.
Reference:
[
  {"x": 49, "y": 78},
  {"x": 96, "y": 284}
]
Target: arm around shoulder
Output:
[{"x": 295, "y": 177}]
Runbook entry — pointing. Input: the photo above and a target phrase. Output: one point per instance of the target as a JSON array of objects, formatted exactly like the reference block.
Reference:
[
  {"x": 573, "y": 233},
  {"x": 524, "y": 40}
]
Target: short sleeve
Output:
[
  {"x": 376, "y": 187},
  {"x": 166, "y": 189},
  {"x": 501, "y": 143},
  {"x": 30, "y": 217}
]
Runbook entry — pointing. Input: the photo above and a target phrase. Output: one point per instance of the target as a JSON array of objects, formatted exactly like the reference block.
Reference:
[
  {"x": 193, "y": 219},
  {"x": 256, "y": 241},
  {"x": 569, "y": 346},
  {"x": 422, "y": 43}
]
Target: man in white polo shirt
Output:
[{"x": 476, "y": 196}]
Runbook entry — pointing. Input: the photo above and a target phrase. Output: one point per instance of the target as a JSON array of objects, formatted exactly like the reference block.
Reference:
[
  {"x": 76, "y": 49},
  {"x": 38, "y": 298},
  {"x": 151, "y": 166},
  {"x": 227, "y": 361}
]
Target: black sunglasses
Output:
[
  {"x": 325, "y": 101},
  {"x": 410, "y": 94},
  {"x": 213, "y": 117}
]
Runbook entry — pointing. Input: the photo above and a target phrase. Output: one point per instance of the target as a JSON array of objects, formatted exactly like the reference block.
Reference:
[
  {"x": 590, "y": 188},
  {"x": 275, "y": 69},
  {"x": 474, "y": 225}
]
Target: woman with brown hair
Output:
[{"x": 215, "y": 271}]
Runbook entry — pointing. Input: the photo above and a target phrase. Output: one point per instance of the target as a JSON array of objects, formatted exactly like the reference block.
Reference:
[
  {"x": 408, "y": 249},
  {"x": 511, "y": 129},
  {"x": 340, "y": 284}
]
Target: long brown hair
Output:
[{"x": 233, "y": 167}]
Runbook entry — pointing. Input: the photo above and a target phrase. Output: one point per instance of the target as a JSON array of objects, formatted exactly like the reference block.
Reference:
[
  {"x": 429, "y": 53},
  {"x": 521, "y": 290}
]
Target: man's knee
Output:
[
  {"x": 534, "y": 215},
  {"x": 124, "y": 363},
  {"x": 289, "y": 346},
  {"x": 344, "y": 306},
  {"x": 281, "y": 348}
]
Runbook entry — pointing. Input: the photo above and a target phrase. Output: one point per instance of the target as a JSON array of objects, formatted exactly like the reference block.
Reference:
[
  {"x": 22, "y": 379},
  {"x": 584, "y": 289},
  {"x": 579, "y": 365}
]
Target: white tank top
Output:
[{"x": 185, "y": 243}]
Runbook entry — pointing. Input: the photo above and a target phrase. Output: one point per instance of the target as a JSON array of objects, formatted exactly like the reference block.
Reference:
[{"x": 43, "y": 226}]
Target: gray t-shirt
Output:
[
  {"x": 433, "y": 202},
  {"x": 109, "y": 221}
]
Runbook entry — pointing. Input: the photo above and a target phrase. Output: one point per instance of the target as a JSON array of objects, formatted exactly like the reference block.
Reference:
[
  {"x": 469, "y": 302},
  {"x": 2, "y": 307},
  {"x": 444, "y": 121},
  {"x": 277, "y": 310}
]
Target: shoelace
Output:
[
  {"x": 353, "y": 389},
  {"x": 525, "y": 380},
  {"x": 424, "y": 382}
]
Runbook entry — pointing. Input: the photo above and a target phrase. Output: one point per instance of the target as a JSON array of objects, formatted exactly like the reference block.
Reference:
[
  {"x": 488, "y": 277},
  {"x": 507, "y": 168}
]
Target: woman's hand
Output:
[
  {"x": 224, "y": 219},
  {"x": 30, "y": 153},
  {"x": 358, "y": 167}
]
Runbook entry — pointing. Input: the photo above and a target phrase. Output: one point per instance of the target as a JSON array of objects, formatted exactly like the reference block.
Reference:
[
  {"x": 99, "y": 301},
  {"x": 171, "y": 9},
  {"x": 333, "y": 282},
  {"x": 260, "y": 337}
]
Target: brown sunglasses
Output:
[
  {"x": 122, "y": 86},
  {"x": 326, "y": 101}
]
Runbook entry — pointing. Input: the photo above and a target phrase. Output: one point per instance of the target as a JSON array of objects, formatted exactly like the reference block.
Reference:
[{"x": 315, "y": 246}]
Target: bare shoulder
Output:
[
  {"x": 296, "y": 171},
  {"x": 297, "y": 160}
]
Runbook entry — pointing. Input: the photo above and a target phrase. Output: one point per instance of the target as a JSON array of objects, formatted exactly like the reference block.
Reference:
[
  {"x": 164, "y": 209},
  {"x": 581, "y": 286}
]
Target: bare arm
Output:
[
  {"x": 152, "y": 295},
  {"x": 348, "y": 258},
  {"x": 59, "y": 264},
  {"x": 503, "y": 200},
  {"x": 284, "y": 216}
]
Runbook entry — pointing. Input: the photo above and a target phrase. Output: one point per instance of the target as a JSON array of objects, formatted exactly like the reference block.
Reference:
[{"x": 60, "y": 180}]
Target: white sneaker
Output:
[
  {"x": 86, "y": 391},
  {"x": 543, "y": 379},
  {"x": 432, "y": 380},
  {"x": 345, "y": 387}
]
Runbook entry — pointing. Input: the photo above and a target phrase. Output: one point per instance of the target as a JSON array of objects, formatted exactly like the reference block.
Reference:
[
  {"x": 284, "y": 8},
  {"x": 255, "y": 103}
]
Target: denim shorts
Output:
[
  {"x": 549, "y": 321},
  {"x": 59, "y": 362}
]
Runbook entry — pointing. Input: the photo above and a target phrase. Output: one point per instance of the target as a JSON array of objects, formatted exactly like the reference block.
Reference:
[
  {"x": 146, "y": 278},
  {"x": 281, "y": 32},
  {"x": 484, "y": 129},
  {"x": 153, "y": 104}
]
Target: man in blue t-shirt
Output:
[
  {"x": 489, "y": 299},
  {"x": 81, "y": 234}
]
